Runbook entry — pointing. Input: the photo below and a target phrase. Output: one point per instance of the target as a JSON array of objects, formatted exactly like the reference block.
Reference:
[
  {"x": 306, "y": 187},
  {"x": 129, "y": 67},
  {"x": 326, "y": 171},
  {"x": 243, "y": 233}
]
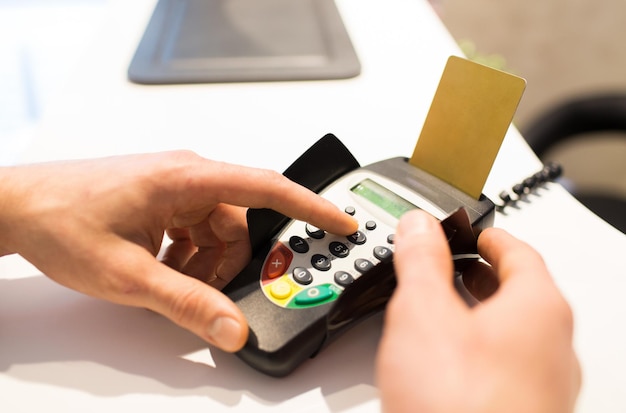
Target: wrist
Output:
[{"x": 10, "y": 201}]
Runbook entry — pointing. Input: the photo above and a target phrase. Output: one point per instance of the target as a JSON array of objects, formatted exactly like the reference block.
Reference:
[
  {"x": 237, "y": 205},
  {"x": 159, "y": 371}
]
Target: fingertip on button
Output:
[{"x": 355, "y": 226}]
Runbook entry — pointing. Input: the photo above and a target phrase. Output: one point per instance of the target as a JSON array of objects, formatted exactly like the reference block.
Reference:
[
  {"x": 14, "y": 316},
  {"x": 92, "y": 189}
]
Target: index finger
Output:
[
  {"x": 262, "y": 188},
  {"x": 524, "y": 278},
  {"x": 510, "y": 257}
]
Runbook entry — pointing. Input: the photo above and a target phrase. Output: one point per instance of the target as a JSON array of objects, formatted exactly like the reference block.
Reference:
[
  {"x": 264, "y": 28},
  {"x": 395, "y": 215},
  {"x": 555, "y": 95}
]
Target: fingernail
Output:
[
  {"x": 225, "y": 332},
  {"x": 420, "y": 223}
]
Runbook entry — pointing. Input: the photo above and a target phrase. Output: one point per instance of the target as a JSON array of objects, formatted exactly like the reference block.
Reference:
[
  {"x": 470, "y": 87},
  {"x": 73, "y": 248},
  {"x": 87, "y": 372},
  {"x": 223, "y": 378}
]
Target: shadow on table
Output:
[{"x": 54, "y": 336}]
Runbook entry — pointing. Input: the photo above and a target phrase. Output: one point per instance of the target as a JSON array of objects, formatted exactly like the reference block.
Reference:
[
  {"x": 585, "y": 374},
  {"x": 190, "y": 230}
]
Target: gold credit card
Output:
[{"x": 468, "y": 119}]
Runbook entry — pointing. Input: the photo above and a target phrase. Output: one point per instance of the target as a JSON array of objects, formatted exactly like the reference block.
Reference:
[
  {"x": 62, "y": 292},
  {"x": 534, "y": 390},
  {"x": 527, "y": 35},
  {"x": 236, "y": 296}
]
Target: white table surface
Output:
[{"x": 67, "y": 352}]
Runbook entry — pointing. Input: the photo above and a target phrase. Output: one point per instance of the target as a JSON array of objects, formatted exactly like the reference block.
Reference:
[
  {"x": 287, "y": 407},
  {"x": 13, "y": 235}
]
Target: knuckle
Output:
[
  {"x": 185, "y": 308},
  {"x": 564, "y": 313},
  {"x": 179, "y": 162},
  {"x": 274, "y": 178},
  {"x": 183, "y": 155},
  {"x": 558, "y": 310},
  {"x": 277, "y": 186}
]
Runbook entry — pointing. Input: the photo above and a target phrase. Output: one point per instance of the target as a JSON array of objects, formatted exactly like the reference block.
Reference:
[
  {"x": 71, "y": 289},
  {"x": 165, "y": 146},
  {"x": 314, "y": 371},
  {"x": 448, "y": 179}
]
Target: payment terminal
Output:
[{"x": 304, "y": 287}]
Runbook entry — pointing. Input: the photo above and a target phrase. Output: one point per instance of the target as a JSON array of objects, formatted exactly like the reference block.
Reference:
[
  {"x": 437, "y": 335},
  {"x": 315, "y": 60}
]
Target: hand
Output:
[
  {"x": 96, "y": 226},
  {"x": 511, "y": 353}
]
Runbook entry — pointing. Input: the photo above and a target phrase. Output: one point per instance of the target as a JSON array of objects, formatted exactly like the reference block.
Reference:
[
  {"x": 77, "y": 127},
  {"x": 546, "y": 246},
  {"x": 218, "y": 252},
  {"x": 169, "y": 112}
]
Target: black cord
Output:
[{"x": 549, "y": 173}]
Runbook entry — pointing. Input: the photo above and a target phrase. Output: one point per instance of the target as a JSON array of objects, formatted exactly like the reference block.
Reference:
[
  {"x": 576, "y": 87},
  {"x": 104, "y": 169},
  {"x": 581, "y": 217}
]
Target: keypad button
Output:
[
  {"x": 280, "y": 290},
  {"x": 383, "y": 253},
  {"x": 339, "y": 249},
  {"x": 370, "y": 225},
  {"x": 357, "y": 238},
  {"x": 298, "y": 244},
  {"x": 343, "y": 278},
  {"x": 314, "y": 295},
  {"x": 350, "y": 210},
  {"x": 363, "y": 265},
  {"x": 391, "y": 238},
  {"x": 320, "y": 262},
  {"x": 314, "y": 232},
  {"x": 302, "y": 276},
  {"x": 278, "y": 261}
]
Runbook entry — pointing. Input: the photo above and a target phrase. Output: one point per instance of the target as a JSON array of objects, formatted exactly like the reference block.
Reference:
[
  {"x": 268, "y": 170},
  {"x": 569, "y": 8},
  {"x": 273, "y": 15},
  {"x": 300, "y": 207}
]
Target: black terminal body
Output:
[{"x": 280, "y": 338}]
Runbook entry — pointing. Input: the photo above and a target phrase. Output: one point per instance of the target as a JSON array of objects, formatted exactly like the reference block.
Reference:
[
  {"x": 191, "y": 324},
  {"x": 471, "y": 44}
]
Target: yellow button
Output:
[{"x": 280, "y": 290}]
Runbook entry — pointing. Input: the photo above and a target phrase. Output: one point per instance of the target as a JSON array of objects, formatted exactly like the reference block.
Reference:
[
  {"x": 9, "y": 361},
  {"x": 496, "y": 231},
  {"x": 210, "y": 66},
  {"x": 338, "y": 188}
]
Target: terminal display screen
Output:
[{"x": 377, "y": 194}]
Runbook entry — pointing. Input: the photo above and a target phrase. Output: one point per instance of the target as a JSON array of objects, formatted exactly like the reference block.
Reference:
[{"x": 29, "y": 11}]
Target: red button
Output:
[{"x": 277, "y": 262}]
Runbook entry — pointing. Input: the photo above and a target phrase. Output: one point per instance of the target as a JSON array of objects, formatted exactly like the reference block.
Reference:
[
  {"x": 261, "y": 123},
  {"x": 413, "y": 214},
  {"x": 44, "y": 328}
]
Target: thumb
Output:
[
  {"x": 193, "y": 305},
  {"x": 423, "y": 263},
  {"x": 421, "y": 248}
]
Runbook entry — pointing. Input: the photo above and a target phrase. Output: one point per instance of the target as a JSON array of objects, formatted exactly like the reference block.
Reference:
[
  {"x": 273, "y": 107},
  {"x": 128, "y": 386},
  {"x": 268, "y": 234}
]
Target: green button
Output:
[{"x": 314, "y": 295}]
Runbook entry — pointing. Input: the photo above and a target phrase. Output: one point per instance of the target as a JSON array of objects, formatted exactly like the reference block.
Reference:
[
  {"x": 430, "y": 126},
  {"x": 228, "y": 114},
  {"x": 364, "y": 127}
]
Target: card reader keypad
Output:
[{"x": 308, "y": 267}]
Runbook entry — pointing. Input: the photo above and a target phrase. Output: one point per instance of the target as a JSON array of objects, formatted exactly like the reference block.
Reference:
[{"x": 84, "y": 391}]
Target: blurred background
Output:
[
  {"x": 573, "y": 55},
  {"x": 566, "y": 49},
  {"x": 40, "y": 43}
]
